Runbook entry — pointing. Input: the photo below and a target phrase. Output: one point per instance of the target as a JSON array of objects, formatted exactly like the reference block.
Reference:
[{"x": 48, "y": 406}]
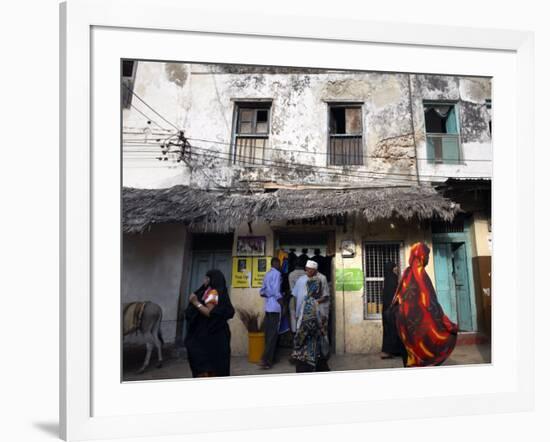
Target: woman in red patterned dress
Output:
[{"x": 428, "y": 335}]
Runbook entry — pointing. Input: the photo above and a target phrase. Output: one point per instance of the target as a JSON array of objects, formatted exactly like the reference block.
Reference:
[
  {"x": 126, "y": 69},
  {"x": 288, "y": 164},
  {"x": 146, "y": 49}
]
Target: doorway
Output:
[
  {"x": 453, "y": 283},
  {"x": 319, "y": 247},
  {"x": 207, "y": 251},
  {"x": 210, "y": 251}
]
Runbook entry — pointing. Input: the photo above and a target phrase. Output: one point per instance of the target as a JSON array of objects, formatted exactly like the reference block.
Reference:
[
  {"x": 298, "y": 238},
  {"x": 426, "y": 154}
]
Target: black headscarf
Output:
[
  {"x": 390, "y": 283},
  {"x": 224, "y": 309},
  {"x": 221, "y": 312}
]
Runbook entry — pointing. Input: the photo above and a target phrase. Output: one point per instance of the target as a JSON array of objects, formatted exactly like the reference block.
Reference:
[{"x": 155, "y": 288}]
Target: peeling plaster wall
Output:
[
  {"x": 164, "y": 86},
  {"x": 470, "y": 95},
  {"x": 201, "y": 100}
]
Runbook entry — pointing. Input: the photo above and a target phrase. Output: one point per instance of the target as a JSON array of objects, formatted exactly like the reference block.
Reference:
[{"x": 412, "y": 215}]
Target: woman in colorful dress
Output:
[
  {"x": 208, "y": 337},
  {"x": 310, "y": 340},
  {"x": 428, "y": 335}
]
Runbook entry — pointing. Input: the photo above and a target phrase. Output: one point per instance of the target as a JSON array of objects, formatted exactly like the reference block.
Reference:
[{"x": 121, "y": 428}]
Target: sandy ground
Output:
[{"x": 176, "y": 366}]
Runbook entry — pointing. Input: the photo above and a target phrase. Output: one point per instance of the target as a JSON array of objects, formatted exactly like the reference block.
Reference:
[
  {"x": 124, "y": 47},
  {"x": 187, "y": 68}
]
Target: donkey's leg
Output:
[
  {"x": 158, "y": 343},
  {"x": 149, "y": 345}
]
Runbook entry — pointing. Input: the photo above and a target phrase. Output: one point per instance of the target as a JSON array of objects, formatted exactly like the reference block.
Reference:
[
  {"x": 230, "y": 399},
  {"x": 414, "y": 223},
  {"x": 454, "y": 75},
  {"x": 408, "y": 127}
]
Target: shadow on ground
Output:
[{"x": 176, "y": 366}]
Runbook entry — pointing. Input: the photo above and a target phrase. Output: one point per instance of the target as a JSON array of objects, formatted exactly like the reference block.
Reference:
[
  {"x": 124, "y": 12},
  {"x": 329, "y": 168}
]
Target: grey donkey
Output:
[{"x": 145, "y": 318}]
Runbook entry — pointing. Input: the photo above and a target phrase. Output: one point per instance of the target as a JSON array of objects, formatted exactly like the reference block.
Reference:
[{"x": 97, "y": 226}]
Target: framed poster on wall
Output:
[
  {"x": 242, "y": 272},
  {"x": 260, "y": 266}
]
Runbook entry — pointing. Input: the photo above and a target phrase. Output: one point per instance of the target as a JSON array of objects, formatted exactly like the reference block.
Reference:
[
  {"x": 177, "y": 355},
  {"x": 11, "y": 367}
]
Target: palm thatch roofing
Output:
[{"x": 218, "y": 211}]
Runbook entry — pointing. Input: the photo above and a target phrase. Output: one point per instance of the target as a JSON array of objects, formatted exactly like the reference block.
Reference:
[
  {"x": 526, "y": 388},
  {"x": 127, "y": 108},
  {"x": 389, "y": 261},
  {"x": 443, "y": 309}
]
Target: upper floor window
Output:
[
  {"x": 251, "y": 132},
  {"x": 443, "y": 142},
  {"x": 345, "y": 135},
  {"x": 128, "y": 74}
]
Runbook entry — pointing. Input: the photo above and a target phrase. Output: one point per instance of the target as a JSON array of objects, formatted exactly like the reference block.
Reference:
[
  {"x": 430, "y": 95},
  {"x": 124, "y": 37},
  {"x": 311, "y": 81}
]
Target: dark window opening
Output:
[
  {"x": 346, "y": 135},
  {"x": 338, "y": 120},
  {"x": 127, "y": 68},
  {"x": 128, "y": 74},
  {"x": 440, "y": 119}
]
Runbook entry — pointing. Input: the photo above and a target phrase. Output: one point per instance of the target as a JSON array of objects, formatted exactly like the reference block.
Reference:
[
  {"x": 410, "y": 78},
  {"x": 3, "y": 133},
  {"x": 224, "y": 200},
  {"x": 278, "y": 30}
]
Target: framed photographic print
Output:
[
  {"x": 194, "y": 141},
  {"x": 251, "y": 245}
]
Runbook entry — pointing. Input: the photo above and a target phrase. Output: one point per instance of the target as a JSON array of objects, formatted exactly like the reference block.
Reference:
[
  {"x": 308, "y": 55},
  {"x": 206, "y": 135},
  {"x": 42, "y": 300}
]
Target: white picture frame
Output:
[{"x": 94, "y": 405}]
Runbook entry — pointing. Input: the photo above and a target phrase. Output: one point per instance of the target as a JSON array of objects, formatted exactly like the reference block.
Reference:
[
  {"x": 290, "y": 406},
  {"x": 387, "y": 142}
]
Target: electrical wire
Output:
[
  {"x": 322, "y": 169},
  {"x": 150, "y": 107}
]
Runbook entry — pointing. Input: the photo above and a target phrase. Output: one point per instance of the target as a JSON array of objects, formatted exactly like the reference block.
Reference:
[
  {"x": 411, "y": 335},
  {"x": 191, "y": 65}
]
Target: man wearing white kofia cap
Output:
[{"x": 311, "y": 269}]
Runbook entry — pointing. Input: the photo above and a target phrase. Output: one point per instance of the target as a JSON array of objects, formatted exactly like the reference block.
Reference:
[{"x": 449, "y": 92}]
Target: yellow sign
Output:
[
  {"x": 260, "y": 266},
  {"x": 242, "y": 273}
]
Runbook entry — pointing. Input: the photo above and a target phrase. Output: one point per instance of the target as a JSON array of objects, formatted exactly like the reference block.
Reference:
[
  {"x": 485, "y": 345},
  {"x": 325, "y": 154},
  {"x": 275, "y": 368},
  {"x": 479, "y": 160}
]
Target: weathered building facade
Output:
[{"x": 305, "y": 158}]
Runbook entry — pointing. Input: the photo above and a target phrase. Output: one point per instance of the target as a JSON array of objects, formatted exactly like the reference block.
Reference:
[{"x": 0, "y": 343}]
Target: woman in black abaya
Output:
[
  {"x": 208, "y": 337},
  {"x": 391, "y": 344}
]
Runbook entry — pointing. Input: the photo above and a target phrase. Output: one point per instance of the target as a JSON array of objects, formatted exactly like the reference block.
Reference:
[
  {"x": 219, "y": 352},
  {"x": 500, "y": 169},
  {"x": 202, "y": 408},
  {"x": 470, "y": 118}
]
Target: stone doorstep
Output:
[{"x": 472, "y": 338}]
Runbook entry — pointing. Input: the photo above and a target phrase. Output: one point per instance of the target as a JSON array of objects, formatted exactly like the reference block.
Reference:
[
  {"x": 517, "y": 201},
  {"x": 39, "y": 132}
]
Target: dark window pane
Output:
[
  {"x": 261, "y": 116},
  {"x": 434, "y": 122},
  {"x": 338, "y": 120},
  {"x": 127, "y": 68}
]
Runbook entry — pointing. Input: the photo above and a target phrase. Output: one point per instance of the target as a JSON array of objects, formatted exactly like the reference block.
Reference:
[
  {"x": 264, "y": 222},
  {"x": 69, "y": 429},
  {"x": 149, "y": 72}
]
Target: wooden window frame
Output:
[
  {"x": 456, "y": 136},
  {"x": 331, "y": 136},
  {"x": 254, "y": 105}
]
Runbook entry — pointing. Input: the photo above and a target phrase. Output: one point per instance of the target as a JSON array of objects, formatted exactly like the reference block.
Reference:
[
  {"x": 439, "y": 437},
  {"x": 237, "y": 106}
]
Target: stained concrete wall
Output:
[
  {"x": 152, "y": 265},
  {"x": 201, "y": 100},
  {"x": 482, "y": 238}
]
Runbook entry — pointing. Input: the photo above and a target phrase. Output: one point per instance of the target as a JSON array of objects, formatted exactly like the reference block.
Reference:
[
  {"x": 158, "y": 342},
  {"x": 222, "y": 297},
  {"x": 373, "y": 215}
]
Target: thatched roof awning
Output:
[{"x": 216, "y": 211}]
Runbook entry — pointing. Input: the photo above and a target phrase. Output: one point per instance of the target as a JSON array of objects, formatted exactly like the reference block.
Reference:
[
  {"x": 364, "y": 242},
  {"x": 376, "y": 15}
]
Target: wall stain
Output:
[{"x": 177, "y": 73}]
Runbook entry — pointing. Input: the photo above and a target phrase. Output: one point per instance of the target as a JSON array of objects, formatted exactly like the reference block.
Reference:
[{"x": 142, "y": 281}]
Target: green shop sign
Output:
[{"x": 349, "y": 280}]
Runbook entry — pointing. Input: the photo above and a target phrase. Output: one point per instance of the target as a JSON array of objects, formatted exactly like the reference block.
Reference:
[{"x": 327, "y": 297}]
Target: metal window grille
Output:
[
  {"x": 456, "y": 226},
  {"x": 374, "y": 258}
]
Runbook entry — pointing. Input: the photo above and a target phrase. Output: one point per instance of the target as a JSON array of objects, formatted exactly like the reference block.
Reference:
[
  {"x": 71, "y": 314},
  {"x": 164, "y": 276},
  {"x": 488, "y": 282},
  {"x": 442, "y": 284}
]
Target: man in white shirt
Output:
[{"x": 298, "y": 291}]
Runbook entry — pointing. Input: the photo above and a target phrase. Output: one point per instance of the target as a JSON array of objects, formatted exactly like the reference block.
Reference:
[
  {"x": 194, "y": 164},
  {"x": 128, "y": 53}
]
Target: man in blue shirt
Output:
[{"x": 271, "y": 292}]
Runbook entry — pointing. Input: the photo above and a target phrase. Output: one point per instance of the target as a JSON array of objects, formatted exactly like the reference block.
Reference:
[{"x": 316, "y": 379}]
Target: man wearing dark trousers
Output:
[{"x": 271, "y": 292}]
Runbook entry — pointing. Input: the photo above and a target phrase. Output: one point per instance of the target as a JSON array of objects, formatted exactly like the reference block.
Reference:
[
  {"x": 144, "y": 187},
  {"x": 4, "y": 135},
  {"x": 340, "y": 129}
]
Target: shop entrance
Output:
[{"x": 319, "y": 247}]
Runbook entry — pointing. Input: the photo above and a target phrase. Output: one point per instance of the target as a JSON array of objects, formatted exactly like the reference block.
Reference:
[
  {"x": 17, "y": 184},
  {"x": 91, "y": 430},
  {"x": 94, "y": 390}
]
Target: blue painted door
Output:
[
  {"x": 460, "y": 273},
  {"x": 444, "y": 282},
  {"x": 203, "y": 261}
]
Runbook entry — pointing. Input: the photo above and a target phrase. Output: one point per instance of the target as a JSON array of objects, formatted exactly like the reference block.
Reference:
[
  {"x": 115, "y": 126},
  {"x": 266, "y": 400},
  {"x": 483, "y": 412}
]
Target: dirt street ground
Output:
[{"x": 176, "y": 367}]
